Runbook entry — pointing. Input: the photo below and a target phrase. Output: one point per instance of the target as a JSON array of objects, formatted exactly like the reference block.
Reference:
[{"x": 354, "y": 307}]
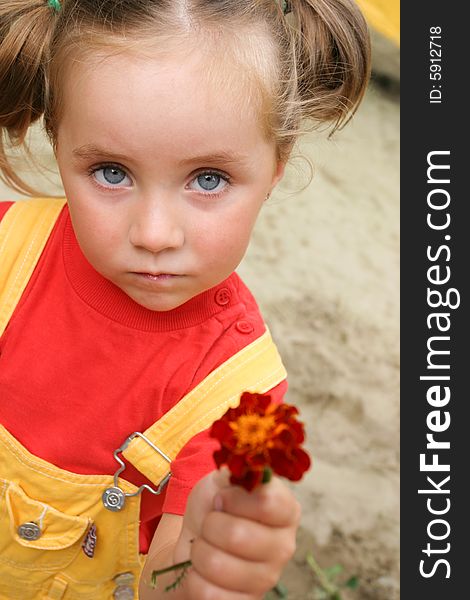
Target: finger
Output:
[
  {"x": 230, "y": 572},
  {"x": 222, "y": 477},
  {"x": 272, "y": 504},
  {"x": 247, "y": 539},
  {"x": 201, "y": 499},
  {"x": 197, "y": 588}
]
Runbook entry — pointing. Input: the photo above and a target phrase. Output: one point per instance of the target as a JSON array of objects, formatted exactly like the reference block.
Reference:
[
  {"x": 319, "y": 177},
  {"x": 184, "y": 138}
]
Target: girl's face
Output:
[{"x": 163, "y": 173}]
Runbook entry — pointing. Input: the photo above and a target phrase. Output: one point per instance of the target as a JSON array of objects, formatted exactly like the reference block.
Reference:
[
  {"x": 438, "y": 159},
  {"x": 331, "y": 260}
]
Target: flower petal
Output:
[{"x": 259, "y": 435}]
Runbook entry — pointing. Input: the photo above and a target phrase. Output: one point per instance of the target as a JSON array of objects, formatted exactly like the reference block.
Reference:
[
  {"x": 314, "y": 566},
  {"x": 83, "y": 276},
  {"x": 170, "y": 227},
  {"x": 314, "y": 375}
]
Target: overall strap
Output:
[
  {"x": 255, "y": 368},
  {"x": 24, "y": 231}
]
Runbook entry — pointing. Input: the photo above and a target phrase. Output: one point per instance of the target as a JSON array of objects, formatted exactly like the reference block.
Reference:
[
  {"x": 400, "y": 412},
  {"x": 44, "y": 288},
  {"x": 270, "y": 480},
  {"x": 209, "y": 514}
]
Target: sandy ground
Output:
[{"x": 324, "y": 266}]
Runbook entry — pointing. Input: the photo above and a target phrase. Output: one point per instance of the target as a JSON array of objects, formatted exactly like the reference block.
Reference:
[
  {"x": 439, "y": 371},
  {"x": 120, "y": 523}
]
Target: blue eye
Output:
[
  {"x": 111, "y": 176},
  {"x": 209, "y": 181}
]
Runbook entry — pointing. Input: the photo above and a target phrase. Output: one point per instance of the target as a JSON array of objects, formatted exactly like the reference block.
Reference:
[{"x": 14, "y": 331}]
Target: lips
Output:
[{"x": 157, "y": 276}]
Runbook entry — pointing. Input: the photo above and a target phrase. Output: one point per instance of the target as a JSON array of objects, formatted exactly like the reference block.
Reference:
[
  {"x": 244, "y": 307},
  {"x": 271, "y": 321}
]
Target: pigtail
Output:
[
  {"x": 332, "y": 47},
  {"x": 26, "y": 29}
]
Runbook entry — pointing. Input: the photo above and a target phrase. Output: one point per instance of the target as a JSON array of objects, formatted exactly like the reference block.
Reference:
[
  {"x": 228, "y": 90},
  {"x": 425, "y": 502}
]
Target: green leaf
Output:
[
  {"x": 352, "y": 582},
  {"x": 336, "y": 596},
  {"x": 280, "y": 590},
  {"x": 334, "y": 571}
]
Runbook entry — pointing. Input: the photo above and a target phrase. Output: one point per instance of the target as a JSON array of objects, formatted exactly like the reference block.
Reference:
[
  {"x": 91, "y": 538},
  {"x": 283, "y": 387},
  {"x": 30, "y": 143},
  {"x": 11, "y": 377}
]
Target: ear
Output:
[{"x": 278, "y": 173}]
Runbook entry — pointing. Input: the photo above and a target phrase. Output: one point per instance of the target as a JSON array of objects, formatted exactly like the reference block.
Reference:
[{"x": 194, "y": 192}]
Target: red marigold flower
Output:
[{"x": 258, "y": 437}]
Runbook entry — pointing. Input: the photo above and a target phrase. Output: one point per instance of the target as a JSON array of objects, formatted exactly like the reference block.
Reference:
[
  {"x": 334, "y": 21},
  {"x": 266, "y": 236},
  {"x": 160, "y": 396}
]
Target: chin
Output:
[{"x": 159, "y": 305}]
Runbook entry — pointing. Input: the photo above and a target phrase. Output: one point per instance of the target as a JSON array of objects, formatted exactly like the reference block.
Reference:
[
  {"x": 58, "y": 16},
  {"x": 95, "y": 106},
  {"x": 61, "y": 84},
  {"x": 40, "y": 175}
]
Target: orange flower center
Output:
[{"x": 253, "y": 430}]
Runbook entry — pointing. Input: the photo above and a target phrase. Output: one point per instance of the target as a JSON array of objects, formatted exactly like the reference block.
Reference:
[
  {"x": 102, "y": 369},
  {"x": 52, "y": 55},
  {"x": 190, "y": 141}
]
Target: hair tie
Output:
[
  {"x": 54, "y": 4},
  {"x": 286, "y": 7}
]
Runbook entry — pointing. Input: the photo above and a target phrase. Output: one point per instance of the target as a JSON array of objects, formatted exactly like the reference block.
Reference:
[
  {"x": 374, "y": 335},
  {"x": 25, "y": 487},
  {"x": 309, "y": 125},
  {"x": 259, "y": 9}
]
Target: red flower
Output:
[{"x": 258, "y": 437}]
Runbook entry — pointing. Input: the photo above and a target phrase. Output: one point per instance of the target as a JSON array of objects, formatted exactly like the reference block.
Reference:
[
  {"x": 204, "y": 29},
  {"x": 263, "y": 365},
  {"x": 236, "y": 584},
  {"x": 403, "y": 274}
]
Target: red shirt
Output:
[{"x": 82, "y": 366}]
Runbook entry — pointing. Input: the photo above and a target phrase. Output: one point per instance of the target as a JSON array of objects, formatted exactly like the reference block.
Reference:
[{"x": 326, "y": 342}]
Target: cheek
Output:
[
  {"x": 85, "y": 224},
  {"x": 240, "y": 226},
  {"x": 94, "y": 219},
  {"x": 226, "y": 239},
  {"x": 97, "y": 235}
]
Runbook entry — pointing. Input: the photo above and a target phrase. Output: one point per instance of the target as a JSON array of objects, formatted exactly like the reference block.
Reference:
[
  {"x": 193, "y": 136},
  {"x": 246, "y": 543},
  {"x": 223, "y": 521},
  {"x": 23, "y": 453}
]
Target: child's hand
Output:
[{"x": 241, "y": 541}]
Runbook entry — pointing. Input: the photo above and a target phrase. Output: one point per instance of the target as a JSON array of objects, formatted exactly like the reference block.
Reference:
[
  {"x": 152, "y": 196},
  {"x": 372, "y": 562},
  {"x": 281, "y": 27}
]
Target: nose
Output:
[{"x": 156, "y": 225}]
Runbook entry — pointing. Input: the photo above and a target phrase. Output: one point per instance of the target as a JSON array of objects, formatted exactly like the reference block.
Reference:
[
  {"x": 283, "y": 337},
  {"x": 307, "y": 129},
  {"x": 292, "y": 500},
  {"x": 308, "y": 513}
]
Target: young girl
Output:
[{"x": 124, "y": 329}]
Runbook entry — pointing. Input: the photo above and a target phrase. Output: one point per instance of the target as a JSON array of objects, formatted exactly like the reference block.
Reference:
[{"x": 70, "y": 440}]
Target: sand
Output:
[{"x": 324, "y": 266}]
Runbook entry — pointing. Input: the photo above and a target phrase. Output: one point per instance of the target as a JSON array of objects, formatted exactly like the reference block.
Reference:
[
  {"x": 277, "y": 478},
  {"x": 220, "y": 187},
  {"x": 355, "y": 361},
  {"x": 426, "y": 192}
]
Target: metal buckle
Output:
[{"x": 114, "y": 498}]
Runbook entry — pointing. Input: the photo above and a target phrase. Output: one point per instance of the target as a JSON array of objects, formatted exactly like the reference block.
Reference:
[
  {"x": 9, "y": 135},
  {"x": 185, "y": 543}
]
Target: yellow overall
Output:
[
  {"x": 72, "y": 536},
  {"x": 384, "y": 16}
]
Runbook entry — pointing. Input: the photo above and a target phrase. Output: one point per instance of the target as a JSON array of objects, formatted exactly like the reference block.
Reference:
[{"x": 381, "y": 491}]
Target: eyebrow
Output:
[
  {"x": 222, "y": 158},
  {"x": 91, "y": 151}
]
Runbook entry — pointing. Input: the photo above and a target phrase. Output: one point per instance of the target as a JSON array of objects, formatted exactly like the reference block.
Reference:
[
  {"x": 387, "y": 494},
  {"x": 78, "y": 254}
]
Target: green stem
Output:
[
  {"x": 278, "y": 588},
  {"x": 182, "y": 565},
  {"x": 322, "y": 578},
  {"x": 267, "y": 475}
]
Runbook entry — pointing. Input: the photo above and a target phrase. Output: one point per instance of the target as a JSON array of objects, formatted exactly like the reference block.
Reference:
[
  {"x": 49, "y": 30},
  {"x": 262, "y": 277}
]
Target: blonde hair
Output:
[{"x": 311, "y": 65}]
